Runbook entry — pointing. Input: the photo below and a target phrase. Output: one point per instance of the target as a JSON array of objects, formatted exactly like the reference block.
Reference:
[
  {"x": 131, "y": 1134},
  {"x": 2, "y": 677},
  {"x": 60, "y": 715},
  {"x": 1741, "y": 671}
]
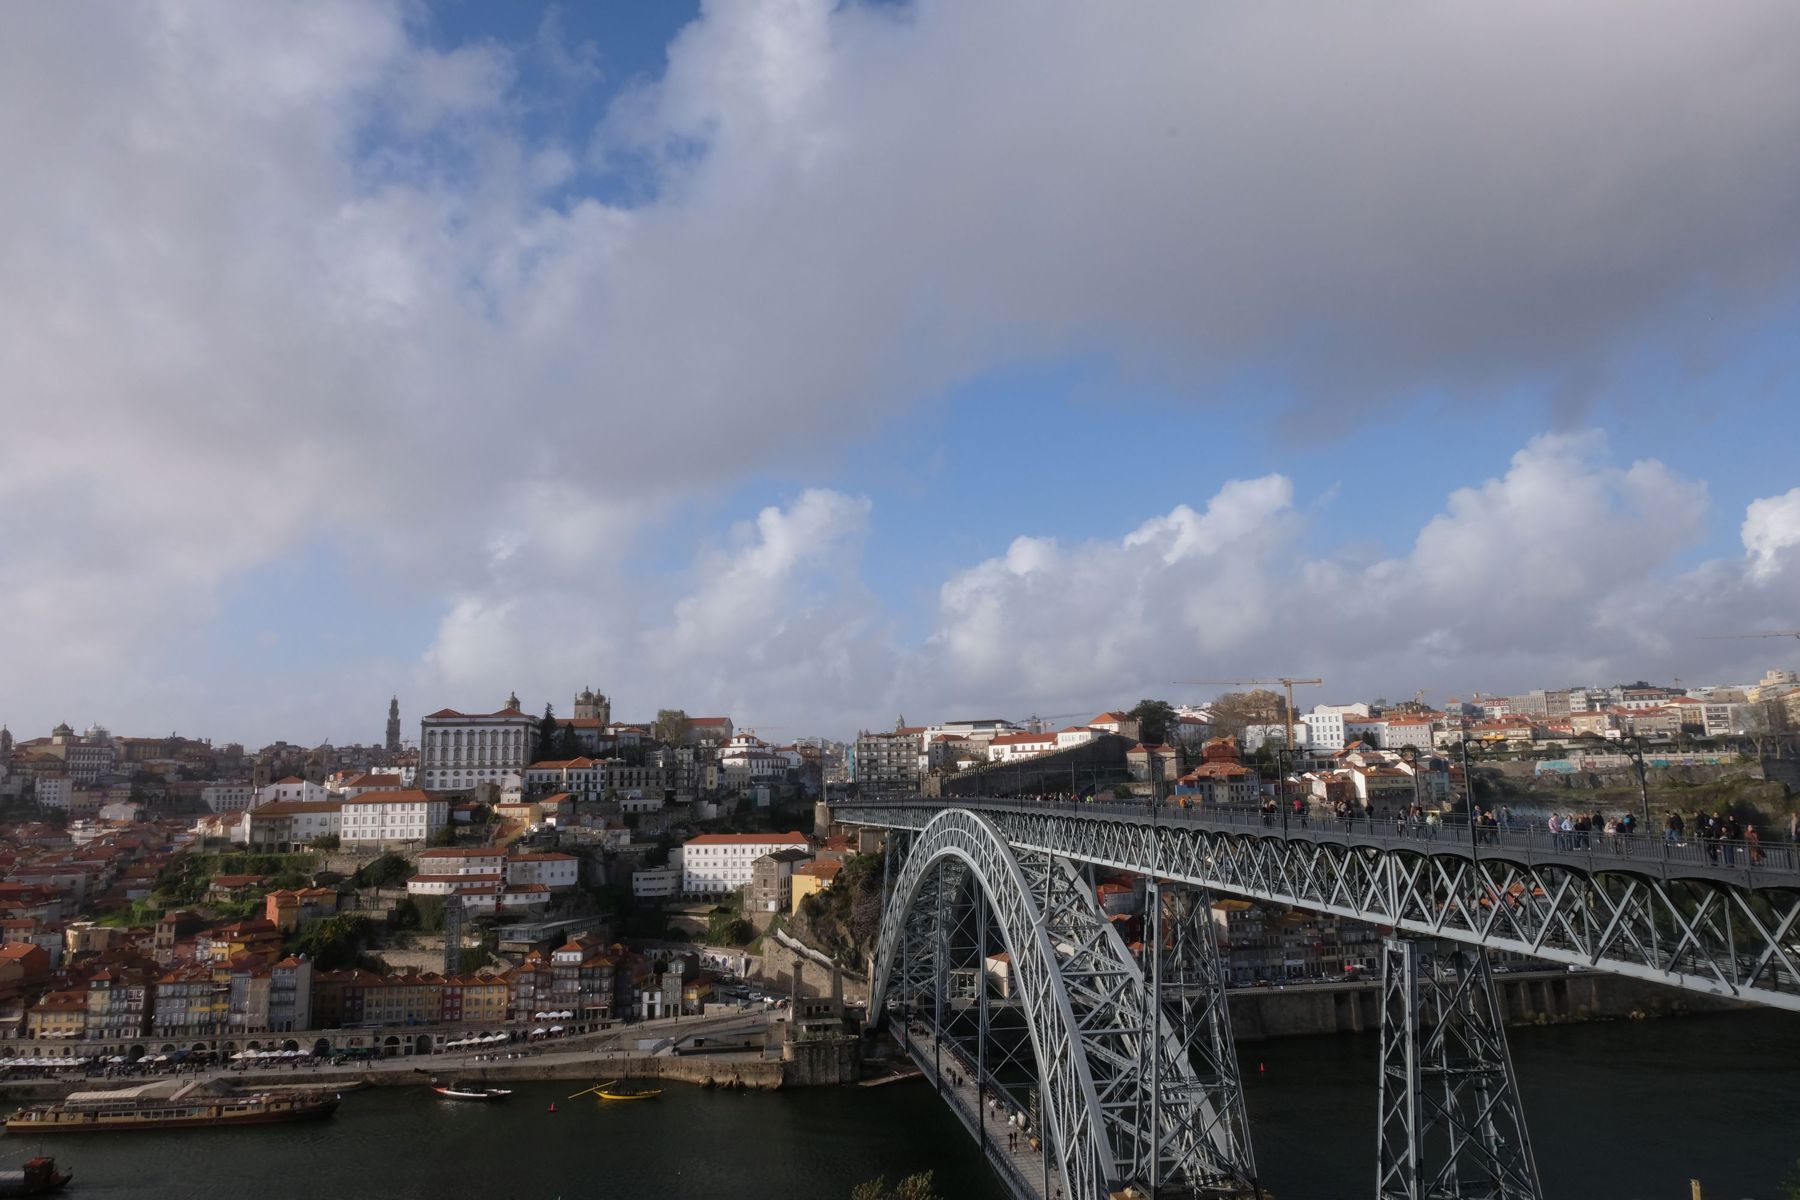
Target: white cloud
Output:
[
  {"x": 1555, "y": 573},
  {"x": 285, "y": 275},
  {"x": 1771, "y": 531}
]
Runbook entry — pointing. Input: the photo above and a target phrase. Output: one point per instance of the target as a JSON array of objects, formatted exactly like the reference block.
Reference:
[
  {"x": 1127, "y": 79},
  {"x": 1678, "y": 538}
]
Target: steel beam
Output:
[{"x": 1451, "y": 1125}]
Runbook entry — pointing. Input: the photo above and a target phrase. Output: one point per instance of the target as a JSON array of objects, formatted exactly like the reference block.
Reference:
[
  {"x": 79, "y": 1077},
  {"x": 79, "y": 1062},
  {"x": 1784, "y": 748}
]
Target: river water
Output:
[{"x": 1619, "y": 1111}]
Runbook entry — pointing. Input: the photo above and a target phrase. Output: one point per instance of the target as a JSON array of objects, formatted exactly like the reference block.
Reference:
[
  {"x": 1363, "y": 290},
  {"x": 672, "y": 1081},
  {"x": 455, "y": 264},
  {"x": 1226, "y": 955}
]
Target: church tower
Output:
[
  {"x": 593, "y": 706},
  {"x": 393, "y": 726}
]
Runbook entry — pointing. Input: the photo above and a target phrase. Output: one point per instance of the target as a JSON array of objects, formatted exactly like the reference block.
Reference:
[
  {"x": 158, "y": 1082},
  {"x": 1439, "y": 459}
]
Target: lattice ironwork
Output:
[
  {"x": 1451, "y": 1126},
  {"x": 1091, "y": 1021},
  {"x": 1721, "y": 934}
]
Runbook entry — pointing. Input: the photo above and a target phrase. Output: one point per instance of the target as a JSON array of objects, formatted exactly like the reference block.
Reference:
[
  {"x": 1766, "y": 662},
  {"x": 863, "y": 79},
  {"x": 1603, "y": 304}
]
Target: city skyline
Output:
[{"x": 704, "y": 357}]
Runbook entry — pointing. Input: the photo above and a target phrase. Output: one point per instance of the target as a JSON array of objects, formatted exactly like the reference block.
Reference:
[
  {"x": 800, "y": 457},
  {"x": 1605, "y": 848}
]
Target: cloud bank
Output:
[{"x": 293, "y": 277}]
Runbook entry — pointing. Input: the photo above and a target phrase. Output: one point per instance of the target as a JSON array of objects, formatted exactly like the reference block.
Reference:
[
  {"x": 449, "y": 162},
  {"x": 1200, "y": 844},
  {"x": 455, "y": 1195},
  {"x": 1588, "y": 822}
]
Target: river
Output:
[{"x": 1619, "y": 1111}]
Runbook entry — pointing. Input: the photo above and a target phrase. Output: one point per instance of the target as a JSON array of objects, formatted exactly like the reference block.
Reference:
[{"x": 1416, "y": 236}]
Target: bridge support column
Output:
[
  {"x": 1451, "y": 1125},
  {"x": 1200, "y": 1130}
]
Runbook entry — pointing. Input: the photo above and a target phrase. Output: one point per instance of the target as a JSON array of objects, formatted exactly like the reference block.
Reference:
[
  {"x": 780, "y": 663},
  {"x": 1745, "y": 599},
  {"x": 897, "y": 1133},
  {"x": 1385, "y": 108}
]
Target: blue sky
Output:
[{"x": 813, "y": 361}]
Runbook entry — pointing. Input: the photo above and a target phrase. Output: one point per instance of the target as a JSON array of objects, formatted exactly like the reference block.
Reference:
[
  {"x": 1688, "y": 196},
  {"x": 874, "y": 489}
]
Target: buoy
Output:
[
  {"x": 553, "y": 1106},
  {"x": 1260, "y": 1068}
]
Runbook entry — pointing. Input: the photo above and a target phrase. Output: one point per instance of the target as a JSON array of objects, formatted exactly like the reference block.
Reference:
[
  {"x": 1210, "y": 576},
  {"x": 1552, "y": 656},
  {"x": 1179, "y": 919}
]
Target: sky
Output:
[{"x": 821, "y": 362}]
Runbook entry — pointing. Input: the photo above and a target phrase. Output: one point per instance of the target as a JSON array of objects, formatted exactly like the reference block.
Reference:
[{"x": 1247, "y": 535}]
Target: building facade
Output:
[{"x": 458, "y": 750}]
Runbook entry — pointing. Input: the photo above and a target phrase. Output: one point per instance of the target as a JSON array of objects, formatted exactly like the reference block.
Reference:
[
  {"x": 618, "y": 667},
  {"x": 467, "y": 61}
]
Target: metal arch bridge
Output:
[{"x": 1119, "y": 1060}]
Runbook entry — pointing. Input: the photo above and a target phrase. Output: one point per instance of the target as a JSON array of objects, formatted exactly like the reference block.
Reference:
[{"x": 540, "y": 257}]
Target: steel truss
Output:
[
  {"x": 1714, "y": 936},
  {"x": 1450, "y": 1120},
  {"x": 1090, "y": 1015}
]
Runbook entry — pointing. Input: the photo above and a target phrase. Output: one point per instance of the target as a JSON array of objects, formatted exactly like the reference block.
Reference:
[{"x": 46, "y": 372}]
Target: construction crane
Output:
[
  {"x": 1283, "y": 680},
  {"x": 1732, "y": 637}
]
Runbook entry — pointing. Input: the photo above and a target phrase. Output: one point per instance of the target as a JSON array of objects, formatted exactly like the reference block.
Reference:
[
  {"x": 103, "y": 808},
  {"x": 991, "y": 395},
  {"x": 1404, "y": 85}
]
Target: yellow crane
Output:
[{"x": 1283, "y": 680}]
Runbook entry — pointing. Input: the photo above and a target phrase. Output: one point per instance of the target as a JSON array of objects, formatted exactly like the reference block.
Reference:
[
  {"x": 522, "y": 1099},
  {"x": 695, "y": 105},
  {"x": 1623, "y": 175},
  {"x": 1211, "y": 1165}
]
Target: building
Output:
[
  {"x": 1160, "y": 763},
  {"x": 458, "y": 750},
  {"x": 715, "y": 864},
  {"x": 812, "y": 878},
  {"x": 289, "y": 825},
  {"x": 391, "y": 742},
  {"x": 1220, "y": 778},
  {"x": 772, "y": 881},
  {"x": 399, "y": 816},
  {"x": 656, "y": 883},
  {"x": 1011, "y": 747},
  {"x": 227, "y": 797},
  {"x": 888, "y": 763},
  {"x": 1123, "y": 724}
]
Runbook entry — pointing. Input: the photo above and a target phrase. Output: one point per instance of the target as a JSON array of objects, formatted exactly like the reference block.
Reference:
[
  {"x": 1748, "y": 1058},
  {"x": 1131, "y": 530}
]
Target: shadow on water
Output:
[{"x": 1619, "y": 1110}]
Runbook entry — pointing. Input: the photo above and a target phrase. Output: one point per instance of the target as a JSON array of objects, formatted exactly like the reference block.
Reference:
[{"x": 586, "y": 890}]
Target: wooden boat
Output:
[
  {"x": 470, "y": 1091},
  {"x": 151, "y": 1107},
  {"x": 37, "y": 1177},
  {"x": 648, "y": 1094}
]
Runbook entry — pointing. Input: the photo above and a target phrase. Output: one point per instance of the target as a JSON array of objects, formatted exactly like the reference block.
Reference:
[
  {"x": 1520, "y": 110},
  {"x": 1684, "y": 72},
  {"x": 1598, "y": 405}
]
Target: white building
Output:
[
  {"x": 227, "y": 797},
  {"x": 401, "y": 816},
  {"x": 716, "y": 863},
  {"x": 458, "y": 750},
  {"x": 54, "y": 791},
  {"x": 294, "y": 789},
  {"x": 656, "y": 883},
  {"x": 1010, "y": 747},
  {"x": 557, "y": 872},
  {"x": 462, "y": 860},
  {"x": 1074, "y": 735}
]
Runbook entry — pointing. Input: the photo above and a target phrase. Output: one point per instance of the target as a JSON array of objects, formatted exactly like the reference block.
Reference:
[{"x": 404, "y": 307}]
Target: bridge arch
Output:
[{"x": 1084, "y": 1000}]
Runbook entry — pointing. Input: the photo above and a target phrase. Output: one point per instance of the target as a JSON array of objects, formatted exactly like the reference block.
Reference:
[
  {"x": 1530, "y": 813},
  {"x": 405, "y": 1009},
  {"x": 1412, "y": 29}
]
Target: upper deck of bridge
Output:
[{"x": 1745, "y": 864}]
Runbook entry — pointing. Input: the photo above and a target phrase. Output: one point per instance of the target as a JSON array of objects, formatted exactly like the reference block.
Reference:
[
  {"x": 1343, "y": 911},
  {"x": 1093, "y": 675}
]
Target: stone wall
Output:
[{"x": 1533, "y": 998}]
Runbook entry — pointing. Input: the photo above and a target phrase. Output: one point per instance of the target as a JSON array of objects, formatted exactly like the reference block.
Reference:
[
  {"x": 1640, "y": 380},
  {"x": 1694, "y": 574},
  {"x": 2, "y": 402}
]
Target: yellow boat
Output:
[{"x": 650, "y": 1094}]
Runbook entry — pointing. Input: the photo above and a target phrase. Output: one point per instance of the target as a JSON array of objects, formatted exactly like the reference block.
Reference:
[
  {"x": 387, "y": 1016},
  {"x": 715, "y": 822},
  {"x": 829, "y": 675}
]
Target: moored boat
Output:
[
  {"x": 151, "y": 1106},
  {"x": 647, "y": 1094},
  {"x": 37, "y": 1177},
  {"x": 470, "y": 1091}
]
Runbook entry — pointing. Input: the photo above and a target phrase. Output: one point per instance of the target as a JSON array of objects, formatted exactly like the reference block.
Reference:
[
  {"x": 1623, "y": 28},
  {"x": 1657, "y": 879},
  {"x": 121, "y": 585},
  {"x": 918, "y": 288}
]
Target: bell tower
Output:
[{"x": 393, "y": 726}]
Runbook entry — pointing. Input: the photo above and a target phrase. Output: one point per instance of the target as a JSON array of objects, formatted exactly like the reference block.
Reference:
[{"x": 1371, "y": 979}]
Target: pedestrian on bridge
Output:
[{"x": 1753, "y": 845}]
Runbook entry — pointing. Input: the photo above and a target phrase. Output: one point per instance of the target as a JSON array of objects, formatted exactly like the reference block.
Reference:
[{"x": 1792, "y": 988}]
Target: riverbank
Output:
[{"x": 1550, "y": 997}]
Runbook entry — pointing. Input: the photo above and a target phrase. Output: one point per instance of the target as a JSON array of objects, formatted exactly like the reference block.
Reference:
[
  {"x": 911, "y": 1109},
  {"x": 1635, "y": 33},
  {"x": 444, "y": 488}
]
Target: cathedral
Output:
[{"x": 593, "y": 706}]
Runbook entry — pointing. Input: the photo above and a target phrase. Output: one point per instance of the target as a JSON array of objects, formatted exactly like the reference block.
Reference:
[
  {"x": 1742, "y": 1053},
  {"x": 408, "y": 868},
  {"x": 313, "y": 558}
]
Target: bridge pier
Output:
[{"x": 1451, "y": 1124}]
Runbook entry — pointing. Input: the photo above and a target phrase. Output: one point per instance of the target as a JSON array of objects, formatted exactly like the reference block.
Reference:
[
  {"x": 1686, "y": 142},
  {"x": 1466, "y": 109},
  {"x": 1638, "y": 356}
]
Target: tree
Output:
[
  {"x": 1155, "y": 719},
  {"x": 913, "y": 1187},
  {"x": 546, "y": 735},
  {"x": 445, "y": 836},
  {"x": 671, "y": 727},
  {"x": 385, "y": 871},
  {"x": 1234, "y": 710}
]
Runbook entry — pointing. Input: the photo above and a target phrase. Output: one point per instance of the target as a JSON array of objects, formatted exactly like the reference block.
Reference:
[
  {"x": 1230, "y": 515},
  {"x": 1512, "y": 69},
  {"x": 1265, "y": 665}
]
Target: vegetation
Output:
[
  {"x": 329, "y": 841},
  {"x": 1155, "y": 718},
  {"x": 386, "y": 871},
  {"x": 423, "y": 913},
  {"x": 913, "y": 1187},
  {"x": 844, "y": 920},
  {"x": 445, "y": 836},
  {"x": 1234, "y": 710},
  {"x": 340, "y": 942},
  {"x": 671, "y": 726}
]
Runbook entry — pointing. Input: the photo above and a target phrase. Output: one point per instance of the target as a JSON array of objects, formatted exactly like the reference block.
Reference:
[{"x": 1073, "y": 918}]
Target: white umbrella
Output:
[{"x": 556, "y": 1029}]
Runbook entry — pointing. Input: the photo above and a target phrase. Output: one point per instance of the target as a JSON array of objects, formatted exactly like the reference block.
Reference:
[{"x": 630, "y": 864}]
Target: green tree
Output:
[
  {"x": 386, "y": 871},
  {"x": 671, "y": 726},
  {"x": 913, "y": 1187},
  {"x": 1790, "y": 1187},
  {"x": 329, "y": 841},
  {"x": 546, "y": 734},
  {"x": 445, "y": 836},
  {"x": 1155, "y": 719}
]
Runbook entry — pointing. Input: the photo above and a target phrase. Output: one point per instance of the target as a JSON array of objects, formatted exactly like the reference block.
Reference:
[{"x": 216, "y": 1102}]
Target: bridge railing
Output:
[{"x": 1751, "y": 863}]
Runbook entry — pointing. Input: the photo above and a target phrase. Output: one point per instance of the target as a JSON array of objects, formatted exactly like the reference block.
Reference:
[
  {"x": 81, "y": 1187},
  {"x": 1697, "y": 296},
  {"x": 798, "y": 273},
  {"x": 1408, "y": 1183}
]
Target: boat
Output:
[
  {"x": 38, "y": 1177},
  {"x": 470, "y": 1091},
  {"x": 153, "y": 1106},
  {"x": 648, "y": 1094}
]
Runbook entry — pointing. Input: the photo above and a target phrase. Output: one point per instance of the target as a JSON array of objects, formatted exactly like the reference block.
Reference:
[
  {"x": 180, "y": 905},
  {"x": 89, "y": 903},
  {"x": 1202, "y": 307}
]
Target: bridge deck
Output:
[
  {"x": 1021, "y": 1170},
  {"x": 1736, "y": 862}
]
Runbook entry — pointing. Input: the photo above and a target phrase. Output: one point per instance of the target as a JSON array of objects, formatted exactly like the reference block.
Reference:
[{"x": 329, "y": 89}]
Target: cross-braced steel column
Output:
[
  {"x": 1451, "y": 1125},
  {"x": 1202, "y": 1130}
]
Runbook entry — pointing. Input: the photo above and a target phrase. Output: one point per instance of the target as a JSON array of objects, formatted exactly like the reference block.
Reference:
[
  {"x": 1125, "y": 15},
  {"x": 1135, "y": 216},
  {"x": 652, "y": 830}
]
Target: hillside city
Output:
[{"x": 509, "y": 877}]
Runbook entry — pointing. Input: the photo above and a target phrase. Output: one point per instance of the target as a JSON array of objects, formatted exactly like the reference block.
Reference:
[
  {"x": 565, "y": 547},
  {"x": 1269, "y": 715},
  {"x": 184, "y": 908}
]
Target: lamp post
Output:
[
  {"x": 1409, "y": 754},
  {"x": 1469, "y": 793}
]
